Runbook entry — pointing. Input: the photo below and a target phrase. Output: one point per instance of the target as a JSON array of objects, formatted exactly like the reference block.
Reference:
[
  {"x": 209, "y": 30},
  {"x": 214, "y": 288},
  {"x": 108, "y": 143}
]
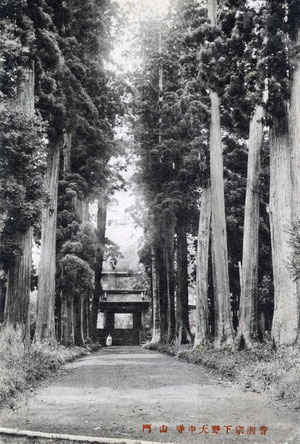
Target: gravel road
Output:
[{"x": 117, "y": 390}]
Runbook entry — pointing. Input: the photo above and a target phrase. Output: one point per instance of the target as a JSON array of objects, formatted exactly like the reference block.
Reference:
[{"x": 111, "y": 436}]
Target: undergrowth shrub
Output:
[
  {"x": 263, "y": 369},
  {"x": 20, "y": 371},
  {"x": 12, "y": 371}
]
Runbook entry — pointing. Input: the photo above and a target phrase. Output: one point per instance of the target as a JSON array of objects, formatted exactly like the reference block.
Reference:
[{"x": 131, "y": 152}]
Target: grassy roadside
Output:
[
  {"x": 275, "y": 373},
  {"x": 20, "y": 372}
]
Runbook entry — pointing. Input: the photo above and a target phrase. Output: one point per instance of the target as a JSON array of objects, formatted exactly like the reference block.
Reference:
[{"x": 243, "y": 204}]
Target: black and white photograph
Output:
[{"x": 149, "y": 221}]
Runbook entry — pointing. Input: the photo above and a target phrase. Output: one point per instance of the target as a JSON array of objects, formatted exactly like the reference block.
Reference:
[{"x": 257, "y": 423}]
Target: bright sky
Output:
[
  {"x": 134, "y": 10},
  {"x": 138, "y": 6},
  {"x": 120, "y": 226}
]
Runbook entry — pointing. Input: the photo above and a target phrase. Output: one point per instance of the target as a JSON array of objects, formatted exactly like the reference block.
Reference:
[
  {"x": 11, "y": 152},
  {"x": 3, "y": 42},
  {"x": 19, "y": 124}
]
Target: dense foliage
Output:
[{"x": 22, "y": 141}]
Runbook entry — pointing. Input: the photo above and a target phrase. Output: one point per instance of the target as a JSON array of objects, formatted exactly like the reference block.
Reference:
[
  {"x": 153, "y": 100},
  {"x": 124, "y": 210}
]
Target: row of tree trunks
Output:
[
  {"x": 18, "y": 278},
  {"x": 284, "y": 211},
  {"x": 247, "y": 333},
  {"x": 170, "y": 322},
  {"x": 162, "y": 255},
  {"x": 101, "y": 230},
  {"x": 74, "y": 322},
  {"x": 202, "y": 313}
]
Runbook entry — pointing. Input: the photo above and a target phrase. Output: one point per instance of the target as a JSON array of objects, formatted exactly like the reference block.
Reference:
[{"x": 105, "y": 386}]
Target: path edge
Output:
[{"x": 74, "y": 438}]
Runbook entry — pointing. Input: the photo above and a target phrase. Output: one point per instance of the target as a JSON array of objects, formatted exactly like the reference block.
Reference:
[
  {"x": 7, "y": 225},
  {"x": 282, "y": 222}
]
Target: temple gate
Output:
[{"x": 122, "y": 309}]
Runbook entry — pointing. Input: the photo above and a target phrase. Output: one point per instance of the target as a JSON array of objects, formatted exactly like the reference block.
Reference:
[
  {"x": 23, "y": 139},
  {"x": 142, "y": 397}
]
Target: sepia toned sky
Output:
[
  {"x": 120, "y": 226},
  {"x": 136, "y": 6}
]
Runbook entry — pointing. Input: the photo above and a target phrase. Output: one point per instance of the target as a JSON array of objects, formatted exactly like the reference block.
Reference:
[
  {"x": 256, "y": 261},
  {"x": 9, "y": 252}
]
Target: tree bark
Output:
[
  {"x": 101, "y": 227},
  {"x": 224, "y": 329},
  {"x": 65, "y": 319},
  {"x": 2, "y": 298},
  {"x": 285, "y": 207},
  {"x": 183, "y": 332},
  {"x": 78, "y": 207},
  {"x": 67, "y": 322},
  {"x": 82, "y": 315},
  {"x": 86, "y": 319},
  {"x": 160, "y": 84},
  {"x": 85, "y": 210},
  {"x": 67, "y": 148},
  {"x": 71, "y": 316},
  {"x": 294, "y": 127},
  {"x": 156, "y": 332},
  {"x": 202, "y": 312},
  {"x": 16, "y": 311},
  {"x": 247, "y": 333},
  {"x": 78, "y": 321},
  {"x": 170, "y": 275},
  {"x": 284, "y": 210},
  {"x": 285, "y": 320},
  {"x": 162, "y": 284},
  {"x": 45, "y": 327},
  {"x": 67, "y": 337},
  {"x": 18, "y": 290},
  {"x": 64, "y": 330}
]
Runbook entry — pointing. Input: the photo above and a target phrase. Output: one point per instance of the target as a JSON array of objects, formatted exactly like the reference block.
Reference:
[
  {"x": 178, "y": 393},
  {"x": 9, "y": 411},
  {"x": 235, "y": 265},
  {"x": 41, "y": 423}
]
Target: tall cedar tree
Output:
[
  {"x": 236, "y": 55},
  {"x": 281, "y": 56},
  {"x": 22, "y": 162},
  {"x": 224, "y": 330},
  {"x": 49, "y": 65}
]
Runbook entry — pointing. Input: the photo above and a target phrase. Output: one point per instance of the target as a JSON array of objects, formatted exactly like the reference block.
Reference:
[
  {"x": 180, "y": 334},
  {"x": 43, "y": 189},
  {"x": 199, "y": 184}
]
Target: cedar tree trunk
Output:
[
  {"x": 285, "y": 320},
  {"x": 66, "y": 333},
  {"x": 45, "y": 327},
  {"x": 170, "y": 275},
  {"x": 247, "y": 332},
  {"x": 67, "y": 148},
  {"x": 202, "y": 312},
  {"x": 78, "y": 321},
  {"x": 223, "y": 327},
  {"x": 101, "y": 228},
  {"x": 162, "y": 284},
  {"x": 85, "y": 210},
  {"x": 156, "y": 332},
  {"x": 2, "y": 298},
  {"x": 18, "y": 290},
  {"x": 18, "y": 278},
  {"x": 67, "y": 321},
  {"x": 294, "y": 125},
  {"x": 182, "y": 297}
]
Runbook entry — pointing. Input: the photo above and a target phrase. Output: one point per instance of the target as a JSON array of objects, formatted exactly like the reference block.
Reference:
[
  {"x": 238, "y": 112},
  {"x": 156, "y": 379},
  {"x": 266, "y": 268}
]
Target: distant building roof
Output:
[
  {"x": 125, "y": 297},
  {"x": 119, "y": 280},
  {"x": 120, "y": 287}
]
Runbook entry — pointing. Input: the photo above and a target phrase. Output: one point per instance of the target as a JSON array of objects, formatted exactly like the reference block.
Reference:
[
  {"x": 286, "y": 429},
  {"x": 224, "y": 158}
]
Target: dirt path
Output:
[{"x": 114, "y": 392}]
